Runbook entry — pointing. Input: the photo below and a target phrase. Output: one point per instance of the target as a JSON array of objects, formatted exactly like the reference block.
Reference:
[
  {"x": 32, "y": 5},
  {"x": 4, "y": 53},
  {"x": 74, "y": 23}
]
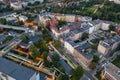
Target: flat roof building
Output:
[
  {"x": 22, "y": 18},
  {"x": 108, "y": 45},
  {"x": 17, "y": 71},
  {"x": 111, "y": 72},
  {"x": 83, "y": 54}
]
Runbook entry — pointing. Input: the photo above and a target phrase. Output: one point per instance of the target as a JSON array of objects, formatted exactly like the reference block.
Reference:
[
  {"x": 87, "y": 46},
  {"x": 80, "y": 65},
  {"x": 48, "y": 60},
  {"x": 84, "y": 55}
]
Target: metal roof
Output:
[{"x": 17, "y": 71}]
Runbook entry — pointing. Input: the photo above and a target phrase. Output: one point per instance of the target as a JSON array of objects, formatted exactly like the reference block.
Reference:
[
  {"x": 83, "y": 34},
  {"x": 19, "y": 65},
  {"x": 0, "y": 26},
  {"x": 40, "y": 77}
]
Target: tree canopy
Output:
[
  {"x": 25, "y": 39},
  {"x": 77, "y": 73},
  {"x": 34, "y": 51},
  {"x": 84, "y": 36}
]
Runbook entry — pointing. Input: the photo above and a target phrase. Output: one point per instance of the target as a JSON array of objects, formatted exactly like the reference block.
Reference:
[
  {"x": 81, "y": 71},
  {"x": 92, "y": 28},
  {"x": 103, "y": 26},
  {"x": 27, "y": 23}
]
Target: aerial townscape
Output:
[{"x": 59, "y": 39}]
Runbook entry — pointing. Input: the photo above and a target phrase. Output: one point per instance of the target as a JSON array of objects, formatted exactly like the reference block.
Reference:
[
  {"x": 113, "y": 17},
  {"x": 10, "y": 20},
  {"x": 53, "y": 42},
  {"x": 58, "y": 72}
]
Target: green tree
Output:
[
  {"x": 34, "y": 51},
  {"x": 29, "y": 4},
  {"x": 46, "y": 62},
  {"x": 61, "y": 23},
  {"x": 92, "y": 65},
  {"x": 57, "y": 44},
  {"x": 25, "y": 39},
  {"x": 55, "y": 57},
  {"x": 43, "y": 47},
  {"x": 63, "y": 77},
  {"x": 84, "y": 36},
  {"x": 45, "y": 54},
  {"x": 36, "y": 3},
  {"x": 38, "y": 43},
  {"x": 3, "y": 21},
  {"x": 77, "y": 73},
  {"x": 111, "y": 28},
  {"x": 20, "y": 22},
  {"x": 94, "y": 47},
  {"x": 96, "y": 58},
  {"x": 39, "y": 28}
]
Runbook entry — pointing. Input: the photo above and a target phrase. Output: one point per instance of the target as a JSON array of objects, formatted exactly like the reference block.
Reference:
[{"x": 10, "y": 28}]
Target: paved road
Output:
[
  {"x": 62, "y": 56},
  {"x": 89, "y": 75}
]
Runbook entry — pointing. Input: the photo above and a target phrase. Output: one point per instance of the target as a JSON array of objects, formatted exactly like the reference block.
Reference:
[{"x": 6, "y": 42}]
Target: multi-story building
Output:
[
  {"x": 23, "y": 18},
  {"x": 100, "y": 24},
  {"x": 76, "y": 34},
  {"x": 70, "y": 17},
  {"x": 105, "y": 25},
  {"x": 111, "y": 72},
  {"x": 81, "y": 51},
  {"x": 16, "y": 6},
  {"x": 107, "y": 46},
  {"x": 18, "y": 72},
  {"x": 8, "y": 1},
  {"x": 83, "y": 54},
  {"x": 70, "y": 45},
  {"x": 76, "y": 29},
  {"x": 65, "y": 29},
  {"x": 88, "y": 27},
  {"x": 43, "y": 19},
  {"x": 116, "y": 1},
  {"x": 12, "y": 19}
]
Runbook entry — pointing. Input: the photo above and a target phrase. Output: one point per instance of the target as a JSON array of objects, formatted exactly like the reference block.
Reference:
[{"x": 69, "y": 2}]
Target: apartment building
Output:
[
  {"x": 83, "y": 54},
  {"x": 111, "y": 72},
  {"x": 70, "y": 17},
  {"x": 8, "y": 1},
  {"x": 70, "y": 45},
  {"x": 65, "y": 29},
  {"x": 80, "y": 50},
  {"x": 105, "y": 47},
  {"x": 116, "y": 1},
  {"x": 76, "y": 29}
]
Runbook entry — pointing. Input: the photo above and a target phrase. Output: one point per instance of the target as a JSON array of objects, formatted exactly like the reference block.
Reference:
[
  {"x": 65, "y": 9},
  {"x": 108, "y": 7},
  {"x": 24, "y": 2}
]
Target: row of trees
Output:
[
  {"x": 47, "y": 37},
  {"x": 41, "y": 45},
  {"x": 77, "y": 73},
  {"x": 5, "y": 9},
  {"x": 34, "y": 51},
  {"x": 94, "y": 62},
  {"x": 39, "y": 48},
  {"x": 4, "y": 21},
  {"x": 34, "y": 4},
  {"x": 25, "y": 39},
  {"x": 110, "y": 11}
]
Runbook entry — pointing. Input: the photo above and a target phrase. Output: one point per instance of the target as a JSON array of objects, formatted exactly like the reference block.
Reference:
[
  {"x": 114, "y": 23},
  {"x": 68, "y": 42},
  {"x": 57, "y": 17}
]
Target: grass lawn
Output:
[{"x": 117, "y": 61}]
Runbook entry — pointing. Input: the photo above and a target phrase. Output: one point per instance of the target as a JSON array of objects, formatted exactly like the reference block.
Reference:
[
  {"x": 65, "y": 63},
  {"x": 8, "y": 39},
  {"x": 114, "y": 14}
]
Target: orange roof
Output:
[
  {"x": 54, "y": 22},
  {"x": 28, "y": 23},
  {"x": 57, "y": 14},
  {"x": 49, "y": 78}
]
